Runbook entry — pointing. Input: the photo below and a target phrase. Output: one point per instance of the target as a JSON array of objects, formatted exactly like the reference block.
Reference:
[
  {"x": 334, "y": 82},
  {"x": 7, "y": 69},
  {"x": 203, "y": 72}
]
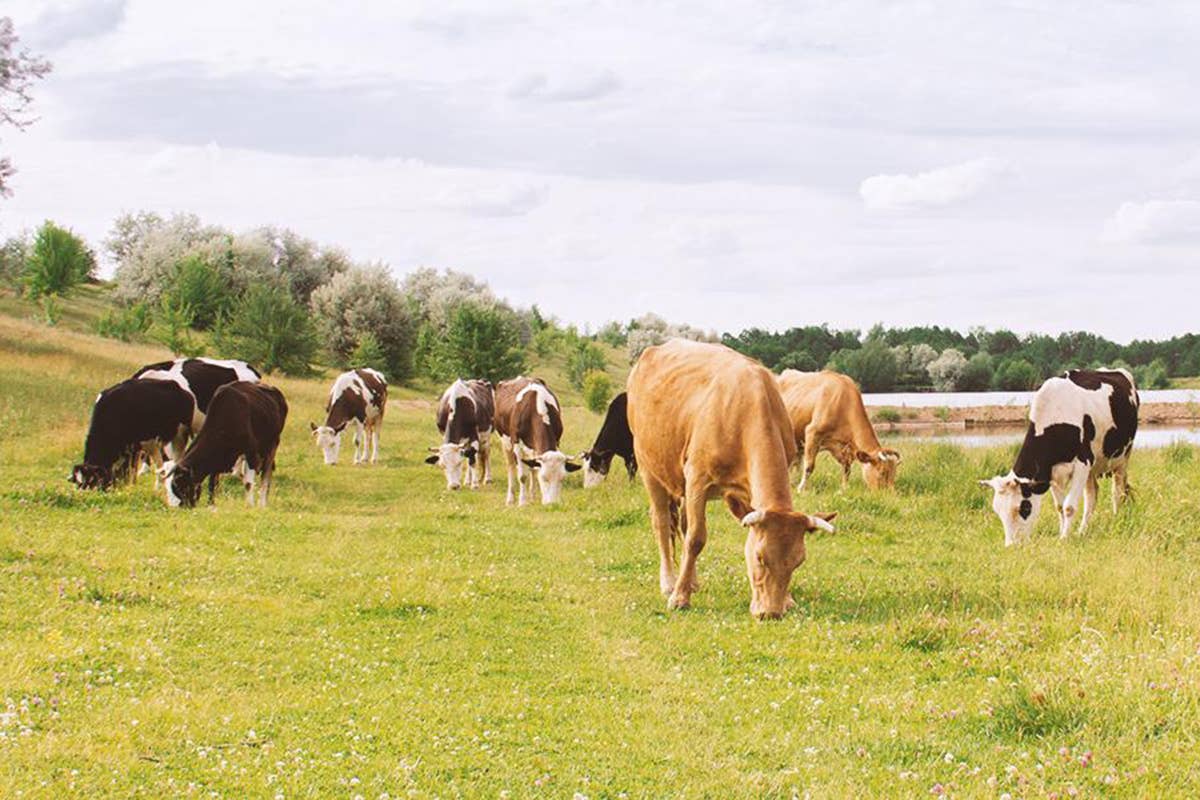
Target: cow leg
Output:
[
  {"x": 847, "y": 464},
  {"x": 523, "y": 472},
  {"x": 662, "y": 520},
  {"x": 268, "y": 476},
  {"x": 1089, "y": 500},
  {"x": 812, "y": 446},
  {"x": 1120, "y": 488},
  {"x": 1079, "y": 478},
  {"x": 375, "y": 438},
  {"x": 693, "y": 544},
  {"x": 212, "y": 489},
  {"x": 1059, "y": 493},
  {"x": 485, "y": 456},
  {"x": 510, "y": 461}
]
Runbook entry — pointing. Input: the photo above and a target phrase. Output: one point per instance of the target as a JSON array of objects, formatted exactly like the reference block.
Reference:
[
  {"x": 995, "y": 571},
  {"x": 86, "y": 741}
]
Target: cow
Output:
[
  {"x": 529, "y": 422},
  {"x": 1081, "y": 427},
  {"x": 465, "y": 417},
  {"x": 614, "y": 439},
  {"x": 710, "y": 423},
  {"x": 827, "y": 413},
  {"x": 126, "y": 416},
  {"x": 244, "y": 423},
  {"x": 358, "y": 396}
]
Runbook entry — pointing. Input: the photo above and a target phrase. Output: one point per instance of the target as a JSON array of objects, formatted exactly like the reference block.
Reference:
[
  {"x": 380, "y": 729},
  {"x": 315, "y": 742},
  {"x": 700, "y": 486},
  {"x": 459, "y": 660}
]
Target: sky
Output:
[{"x": 1029, "y": 165}]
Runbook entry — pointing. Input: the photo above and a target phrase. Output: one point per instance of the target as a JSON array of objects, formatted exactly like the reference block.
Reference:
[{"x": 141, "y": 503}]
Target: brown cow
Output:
[
  {"x": 708, "y": 422},
  {"x": 530, "y": 425},
  {"x": 827, "y": 413},
  {"x": 358, "y": 396}
]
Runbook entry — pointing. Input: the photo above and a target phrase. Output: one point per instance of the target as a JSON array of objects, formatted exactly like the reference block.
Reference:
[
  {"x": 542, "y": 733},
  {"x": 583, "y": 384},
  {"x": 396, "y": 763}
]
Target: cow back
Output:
[
  {"x": 133, "y": 411},
  {"x": 831, "y": 400}
]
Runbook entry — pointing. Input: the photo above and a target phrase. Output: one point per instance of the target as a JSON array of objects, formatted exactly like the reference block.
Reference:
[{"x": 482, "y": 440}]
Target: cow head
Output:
[
  {"x": 774, "y": 548},
  {"x": 454, "y": 458},
  {"x": 91, "y": 476},
  {"x": 1016, "y": 501},
  {"x": 180, "y": 482},
  {"x": 329, "y": 440},
  {"x": 879, "y": 468},
  {"x": 551, "y": 467},
  {"x": 595, "y": 467}
]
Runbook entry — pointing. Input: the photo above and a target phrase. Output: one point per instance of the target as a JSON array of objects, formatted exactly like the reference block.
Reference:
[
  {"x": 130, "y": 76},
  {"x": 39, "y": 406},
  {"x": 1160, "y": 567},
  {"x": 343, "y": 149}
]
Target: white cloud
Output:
[
  {"x": 937, "y": 187},
  {"x": 572, "y": 87},
  {"x": 1155, "y": 222},
  {"x": 504, "y": 201}
]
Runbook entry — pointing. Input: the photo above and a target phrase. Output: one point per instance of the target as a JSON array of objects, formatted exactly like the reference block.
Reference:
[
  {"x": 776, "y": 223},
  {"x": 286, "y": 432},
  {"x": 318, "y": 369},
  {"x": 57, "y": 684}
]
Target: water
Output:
[
  {"x": 1148, "y": 438},
  {"x": 974, "y": 399}
]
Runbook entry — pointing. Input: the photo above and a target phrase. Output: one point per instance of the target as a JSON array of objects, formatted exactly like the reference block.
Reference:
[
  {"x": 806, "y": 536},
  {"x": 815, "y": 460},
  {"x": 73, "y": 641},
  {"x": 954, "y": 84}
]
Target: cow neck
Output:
[
  {"x": 863, "y": 432},
  {"x": 348, "y": 406},
  {"x": 770, "y": 488},
  {"x": 541, "y": 435}
]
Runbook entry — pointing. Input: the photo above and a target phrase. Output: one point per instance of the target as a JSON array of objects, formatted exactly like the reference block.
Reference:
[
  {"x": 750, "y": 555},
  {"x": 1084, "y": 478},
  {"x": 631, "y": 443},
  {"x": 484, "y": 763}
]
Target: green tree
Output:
[
  {"x": 19, "y": 70},
  {"x": 172, "y": 327},
  {"x": 798, "y": 359},
  {"x": 584, "y": 357},
  {"x": 200, "y": 289},
  {"x": 369, "y": 353},
  {"x": 269, "y": 329},
  {"x": 1016, "y": 375},
  {"x": 13, "y": 254},
  {"x": 978, "y": 374},
  {"x": 480, "y": 342},
  {"x": 1152, "y": 375},
  {"x": 58, "y": 261},
  {"x": 597, "y": 391},
  {"x": 873, "y": 366}
]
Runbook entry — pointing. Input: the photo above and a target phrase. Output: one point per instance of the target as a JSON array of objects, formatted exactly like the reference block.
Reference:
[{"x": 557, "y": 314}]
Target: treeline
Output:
[{"x": 933, "y": 358}]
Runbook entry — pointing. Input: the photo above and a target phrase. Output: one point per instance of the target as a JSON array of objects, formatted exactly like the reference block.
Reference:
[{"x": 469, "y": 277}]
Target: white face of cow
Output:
[
  {"x": 551, "y": 467},
  {"x": 595, "y": 468},
  {"x": 329, "y": 440},
  {"x": 167, "y": 474},
  {"x": 1015, "y": 502},
  {"x": 455, "y": 460}
]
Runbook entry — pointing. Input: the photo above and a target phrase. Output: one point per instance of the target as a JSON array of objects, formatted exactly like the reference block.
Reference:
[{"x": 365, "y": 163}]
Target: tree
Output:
[
  {"x": 597, "y": 391},
  {"x": 199, "y": 288},
  {"x": 1016, "y": 375},
  {"x": 584, "y": 357},
  {"x": 799, "y": 360},
  {"x": 369, "y": 353},
  {"x": 18, "y": 72},
  {"x": 480, "y": 342},
  {"x": 947, "y": 369},
  {"x": 977, "y": 376},
  {"x": 651, "y": 329},
  {"x": 269, "y": 329},
  {"x": 873, "y": 366},
  {"x": 367, "y": 300},
  {"x": 1152, "y": 375},
  {"x": 58, "y": 261},
  {"x": 13, "y": 254}
]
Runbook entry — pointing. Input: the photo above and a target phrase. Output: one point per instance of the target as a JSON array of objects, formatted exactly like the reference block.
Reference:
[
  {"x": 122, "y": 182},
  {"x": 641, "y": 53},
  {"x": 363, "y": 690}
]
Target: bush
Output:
[
  {"x": 479, "y": 343},
  {"x": 798, "y": 359},
  {"x": 947, "y": 370},
  {"x": 585, "y": 357},
  {"x": 872, "y": 365},
  {"x": 1017, "y": 375},
  {"x": 597, "y": 391},
  {"x": 172, "y": 328},
  {"x": 613, "y": 334},
  {"x": 367, "y": 300},
  {"x": 269, "y": 329},
  {"x": 978, "y": 374},
  {"x": 651, "y": 329},
  {"x": 1153, "y": 375},
  {"x": 201, "y": 290},
  {"x": 125, "y": 324},
  {"x": 13, "y": 253},
  {"x": 887, "y": 415},
  {"x": 369, "y": 353},
  {"x": 58, "y": 261}
]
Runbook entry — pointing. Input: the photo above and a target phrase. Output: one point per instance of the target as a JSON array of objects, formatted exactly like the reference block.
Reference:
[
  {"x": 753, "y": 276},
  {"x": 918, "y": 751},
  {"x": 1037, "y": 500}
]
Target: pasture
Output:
[{"x": 372, "y": 635}]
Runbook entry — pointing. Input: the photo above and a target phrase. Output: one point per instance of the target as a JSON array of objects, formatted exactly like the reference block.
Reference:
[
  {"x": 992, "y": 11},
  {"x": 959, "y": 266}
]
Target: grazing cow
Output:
[
  {"x": 244, "y": 422},
  {"x": 465, "y": 415},
  {"x": 357, "y": 396},
  {"x": 708, "y": 423},
  {"x": 125, "y": 417},
  {"x": 614, "y": 439},
  {"x": 827, "y": 413},
  {"x": 1081, "y": 426},
  {"x": 201, "y": 376},
  {"x": 530, "y": 425}
]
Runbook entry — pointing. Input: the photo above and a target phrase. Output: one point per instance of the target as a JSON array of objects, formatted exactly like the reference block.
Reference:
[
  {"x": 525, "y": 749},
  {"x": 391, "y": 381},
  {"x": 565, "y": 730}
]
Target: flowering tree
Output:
[{"x": 19, "y": 70}]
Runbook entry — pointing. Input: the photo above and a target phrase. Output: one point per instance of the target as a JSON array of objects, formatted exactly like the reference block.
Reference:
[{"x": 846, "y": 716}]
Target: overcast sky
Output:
[{"x": 1034, "y": 165}]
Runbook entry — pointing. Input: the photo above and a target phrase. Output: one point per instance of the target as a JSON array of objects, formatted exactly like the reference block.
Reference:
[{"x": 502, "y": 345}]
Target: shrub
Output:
[
  {"x": 13, "y": 253},
  {"x": 1017, "y": 375},
  {"x": 597, "y": 391},
  {"x": 58, "y": 261},
  {"x": 201, "y": 290},
  {"x": 479, "y": 342},
  {"x": 887, "y": 415},
  {"x": 798, "y": 359},
  {"x": 978, "y": 374},
  {"x": 1153, "y": 375},
  {"x": 125, "y": 324},
  {"x": 585, "y": 357},
  {"x": 172, "y": 328},
  {"x": 613, "y": 334},
  {"x": 651, "y": 329},
  {"x": 367, "y": 300},
  {"x": 269, "y": 329},
  {"x": 873, "y": 365},
  {"x": 369, "y": 353}
]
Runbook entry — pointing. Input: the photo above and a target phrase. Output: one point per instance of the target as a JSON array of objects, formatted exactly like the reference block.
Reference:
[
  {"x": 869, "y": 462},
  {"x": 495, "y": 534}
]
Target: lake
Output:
[
  {"x": 1148, "y": 438},
  {"x": 975, "y": 399}
]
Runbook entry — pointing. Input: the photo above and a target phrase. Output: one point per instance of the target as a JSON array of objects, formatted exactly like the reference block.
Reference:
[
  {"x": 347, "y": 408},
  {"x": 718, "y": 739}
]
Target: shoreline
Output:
[{"x": 1009, "y": 416}]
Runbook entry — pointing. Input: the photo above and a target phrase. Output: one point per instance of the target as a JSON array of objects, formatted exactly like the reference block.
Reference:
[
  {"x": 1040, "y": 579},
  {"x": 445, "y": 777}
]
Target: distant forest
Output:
[{"x": 941, "y": 359}]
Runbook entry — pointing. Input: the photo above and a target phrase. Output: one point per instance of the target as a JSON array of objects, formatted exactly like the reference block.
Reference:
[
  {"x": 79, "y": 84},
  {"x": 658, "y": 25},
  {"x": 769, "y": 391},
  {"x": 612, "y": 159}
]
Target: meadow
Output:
[{"x": 373, "y": 635}]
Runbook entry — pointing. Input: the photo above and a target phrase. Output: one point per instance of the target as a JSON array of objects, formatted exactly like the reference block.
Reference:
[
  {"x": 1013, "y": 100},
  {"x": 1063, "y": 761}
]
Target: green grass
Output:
[{"x": 372, "y": 633}]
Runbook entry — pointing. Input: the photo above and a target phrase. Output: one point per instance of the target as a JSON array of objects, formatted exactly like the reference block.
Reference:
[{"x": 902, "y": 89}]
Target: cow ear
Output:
[
  {"x": 312, "y": 426},
  {"x": 738, "y": 507},
  {"x": 573, "y": 467},
  {"x": 887, "y": 454},
  {"x": 532, "y": 463},
  {"x": 864, "y": 457},
  {"x": 340, "y": 428},
  {"x": 432, "y": 460}
]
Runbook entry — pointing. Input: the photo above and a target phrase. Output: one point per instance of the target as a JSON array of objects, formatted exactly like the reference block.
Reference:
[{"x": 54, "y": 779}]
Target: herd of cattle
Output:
[{"x": 697, "y": 421}]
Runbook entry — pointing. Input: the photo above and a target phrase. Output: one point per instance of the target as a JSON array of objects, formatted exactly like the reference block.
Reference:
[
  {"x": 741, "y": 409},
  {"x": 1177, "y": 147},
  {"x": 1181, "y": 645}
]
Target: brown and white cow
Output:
[
  {"x": 529, "y": 422},
  {"x": 709, "y": 423},
  {"x": 358, "y": 396},
  {"x": 827, "y": 413},
  {"x": 465, "y": 415}
]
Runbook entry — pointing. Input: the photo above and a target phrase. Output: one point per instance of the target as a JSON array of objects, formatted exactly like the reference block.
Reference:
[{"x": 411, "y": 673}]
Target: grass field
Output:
[{"x": 373, "y": 635}]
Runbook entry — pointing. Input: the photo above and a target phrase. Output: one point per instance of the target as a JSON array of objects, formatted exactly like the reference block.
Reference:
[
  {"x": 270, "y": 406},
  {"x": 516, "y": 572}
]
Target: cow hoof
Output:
[
  {"x": 678, "y": 602},
  {"x": 667, "y": 586}
]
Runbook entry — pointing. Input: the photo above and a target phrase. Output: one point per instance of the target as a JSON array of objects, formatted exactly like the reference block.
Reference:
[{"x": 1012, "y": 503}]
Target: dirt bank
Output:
[{"x": 1011, "y": 416}]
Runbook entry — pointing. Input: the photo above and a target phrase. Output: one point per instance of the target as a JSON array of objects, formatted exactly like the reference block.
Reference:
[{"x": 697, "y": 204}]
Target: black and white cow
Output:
[
  {"x": 614, "y": 439},
  {"x": 201, "y": 376},
  {"x": 1081, "y": 427},
  {"x": 358, "y": 396},
  {"x": 245, "y": 421},
  {"x": 530, "y": 425},
  {"x": 465, "y": 416},
  {"x": 125, "y": 418}
]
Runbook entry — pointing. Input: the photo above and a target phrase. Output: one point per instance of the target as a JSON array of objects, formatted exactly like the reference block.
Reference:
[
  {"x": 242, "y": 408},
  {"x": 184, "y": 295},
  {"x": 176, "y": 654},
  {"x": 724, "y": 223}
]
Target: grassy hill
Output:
[{"x": 372, "y": 633}]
